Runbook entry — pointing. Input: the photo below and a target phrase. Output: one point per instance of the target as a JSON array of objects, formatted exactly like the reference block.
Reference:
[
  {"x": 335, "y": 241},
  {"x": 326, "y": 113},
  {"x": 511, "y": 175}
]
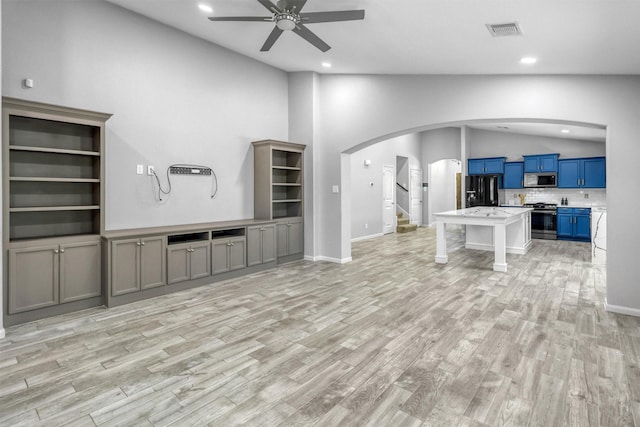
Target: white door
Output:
[
  {"x": 415, "y": 196},
  {"x": 388, "y": 200}
]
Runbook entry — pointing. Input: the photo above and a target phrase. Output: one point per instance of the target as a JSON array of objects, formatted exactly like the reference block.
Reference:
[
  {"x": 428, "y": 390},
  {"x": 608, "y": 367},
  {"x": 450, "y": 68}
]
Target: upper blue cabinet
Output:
[
  {"x": 541, "y": 163},
  {"x": 513, "y": 175},
  {"x": 582, "y": 173},
  {"x": 486, "y": 166}
]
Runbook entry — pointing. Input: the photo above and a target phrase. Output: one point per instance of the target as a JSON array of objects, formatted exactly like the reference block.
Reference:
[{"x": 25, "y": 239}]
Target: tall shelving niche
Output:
[
  {"x": 53, "y": 190},
  {"x": 278, "y": 193}
]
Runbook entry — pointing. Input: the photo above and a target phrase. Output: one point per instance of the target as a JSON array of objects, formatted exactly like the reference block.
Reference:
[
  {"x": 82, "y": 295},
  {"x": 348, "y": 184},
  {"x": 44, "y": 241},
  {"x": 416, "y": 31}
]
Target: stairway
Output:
[{"x": 403, "y": 224}]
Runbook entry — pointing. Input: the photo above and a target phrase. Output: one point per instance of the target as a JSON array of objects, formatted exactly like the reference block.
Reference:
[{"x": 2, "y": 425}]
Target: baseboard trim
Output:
[
  {"x": 621, "y": 310},
  {"x": 481, "y": 247},
  {"x": 334, "y": 260},
  {"x": 1, "y": 333},
  {"x": 371, "y": 236}
]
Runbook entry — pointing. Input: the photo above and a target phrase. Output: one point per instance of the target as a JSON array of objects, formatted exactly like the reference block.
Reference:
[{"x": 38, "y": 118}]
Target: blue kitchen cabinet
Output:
[
  {"x": 513, "y": 175},
  {"x": 582, "y": 173},
  {"x": 541, "y": 163},
  {"x": 564, "y": 223},
  {"x": 486, "y": 166},
  {"x": 574, "y": 224},
  {"x": 594, "y": 173},
  {"x": 568, "y": 173}
]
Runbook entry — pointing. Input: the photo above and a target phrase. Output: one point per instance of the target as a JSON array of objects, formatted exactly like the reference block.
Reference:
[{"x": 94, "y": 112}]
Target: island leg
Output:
[
  {"x": 441, "y": 243},
  {"x": 500, "y": 247}
]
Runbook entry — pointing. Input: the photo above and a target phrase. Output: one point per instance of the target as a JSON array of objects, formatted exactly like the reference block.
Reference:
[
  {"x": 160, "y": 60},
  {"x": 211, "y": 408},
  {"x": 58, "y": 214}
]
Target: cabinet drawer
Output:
[
  {"x": 565, "y": 210},
  {"x": 581, "y": 211}
]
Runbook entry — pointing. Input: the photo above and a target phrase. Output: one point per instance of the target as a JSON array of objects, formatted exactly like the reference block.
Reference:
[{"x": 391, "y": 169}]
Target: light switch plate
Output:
[
  {"x": 140, "y": 169},
  {"x": 336, "y": 189}
]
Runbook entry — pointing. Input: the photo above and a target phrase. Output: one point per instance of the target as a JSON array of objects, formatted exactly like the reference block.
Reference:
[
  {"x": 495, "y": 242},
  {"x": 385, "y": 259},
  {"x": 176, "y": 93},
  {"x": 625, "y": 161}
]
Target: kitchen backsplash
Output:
[{"x": 575, "y": 197}]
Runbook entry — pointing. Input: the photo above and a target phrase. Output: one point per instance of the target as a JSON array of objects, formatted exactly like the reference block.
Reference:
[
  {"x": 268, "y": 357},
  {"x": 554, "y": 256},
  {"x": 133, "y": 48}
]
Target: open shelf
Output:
[
  {"x": 39, "y": 224},
  {"x": 53, "y": 150},
  {"x": 57, "y": 135}
]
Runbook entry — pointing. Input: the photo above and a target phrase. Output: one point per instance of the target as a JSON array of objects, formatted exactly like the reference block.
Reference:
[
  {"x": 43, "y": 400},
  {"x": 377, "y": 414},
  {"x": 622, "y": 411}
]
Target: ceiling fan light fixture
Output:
[{"x": 286, "y": 21}]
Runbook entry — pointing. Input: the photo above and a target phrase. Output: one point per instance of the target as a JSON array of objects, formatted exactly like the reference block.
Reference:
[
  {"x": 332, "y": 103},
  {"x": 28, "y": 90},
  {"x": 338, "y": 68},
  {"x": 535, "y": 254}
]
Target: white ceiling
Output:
[
  {"x": 432, "y": 37},
  {"x": 428, "y": 36},
  {"x": 553, "y": 130}
]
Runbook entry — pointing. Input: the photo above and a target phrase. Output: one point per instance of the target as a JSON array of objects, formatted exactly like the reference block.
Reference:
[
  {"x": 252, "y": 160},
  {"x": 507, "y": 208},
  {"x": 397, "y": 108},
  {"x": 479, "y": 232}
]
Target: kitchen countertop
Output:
[{"x": 485, "y": 211}]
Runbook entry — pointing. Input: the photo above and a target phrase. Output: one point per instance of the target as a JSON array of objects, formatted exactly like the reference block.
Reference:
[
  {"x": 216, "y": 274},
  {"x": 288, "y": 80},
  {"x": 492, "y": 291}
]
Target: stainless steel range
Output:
[{"x": 543, "y": 220}]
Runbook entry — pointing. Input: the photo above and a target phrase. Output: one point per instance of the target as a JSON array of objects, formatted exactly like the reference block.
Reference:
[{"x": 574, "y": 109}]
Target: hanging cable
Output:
[{"x": 161, "y": 191}]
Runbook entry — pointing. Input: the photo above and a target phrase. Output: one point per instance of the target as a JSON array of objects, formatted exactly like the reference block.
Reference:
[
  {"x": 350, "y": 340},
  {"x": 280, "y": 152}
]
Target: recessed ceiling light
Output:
[
  {"x": 326, "y": 64},
  {"x": 205, "y": 8},
  {"x": 528, "y": 60},
  {"x": 565, "y": 131}
]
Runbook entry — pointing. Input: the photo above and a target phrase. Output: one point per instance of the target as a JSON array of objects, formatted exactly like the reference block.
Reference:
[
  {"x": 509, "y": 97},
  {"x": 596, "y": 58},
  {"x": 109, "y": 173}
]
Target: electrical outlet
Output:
[
  {"x": 586, "y": 195},
  {"x": 150, "y": 170},
  {"x": 140, "y": 169},
  {"x": 366, "y": 226}
]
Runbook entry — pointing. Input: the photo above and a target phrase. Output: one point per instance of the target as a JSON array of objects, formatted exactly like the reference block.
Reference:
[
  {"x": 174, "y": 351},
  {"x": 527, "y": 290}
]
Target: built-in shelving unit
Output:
[
  {"x": 278, "y": 192},
  {"x": 54, "y": 166},
  {"x": 53, "y": 198},
  {"x": 278, "y": 179}
]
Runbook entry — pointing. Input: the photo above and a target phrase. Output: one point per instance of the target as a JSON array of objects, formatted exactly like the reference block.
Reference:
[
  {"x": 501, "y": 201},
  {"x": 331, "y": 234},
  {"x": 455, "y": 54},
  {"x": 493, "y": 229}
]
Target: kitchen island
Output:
[{"x": 498, "y": 229}]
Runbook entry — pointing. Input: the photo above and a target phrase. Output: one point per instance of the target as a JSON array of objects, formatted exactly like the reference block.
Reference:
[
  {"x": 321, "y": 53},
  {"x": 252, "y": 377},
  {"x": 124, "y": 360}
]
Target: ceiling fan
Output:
[{"x": 287, "y": 16}]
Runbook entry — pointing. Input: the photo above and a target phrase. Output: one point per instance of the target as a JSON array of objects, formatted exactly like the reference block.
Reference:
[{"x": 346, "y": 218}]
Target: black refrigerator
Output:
[{"x": 482, "y": 190}]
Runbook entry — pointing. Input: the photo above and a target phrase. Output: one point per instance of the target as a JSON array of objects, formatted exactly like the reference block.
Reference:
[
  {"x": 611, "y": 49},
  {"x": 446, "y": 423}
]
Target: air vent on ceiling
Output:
[{"x": 506, "y": 29}]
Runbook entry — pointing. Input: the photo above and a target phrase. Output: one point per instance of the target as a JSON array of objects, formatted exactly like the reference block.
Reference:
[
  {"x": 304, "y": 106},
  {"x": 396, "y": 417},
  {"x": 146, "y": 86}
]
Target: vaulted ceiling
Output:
[{"x": 427, "y": 36}]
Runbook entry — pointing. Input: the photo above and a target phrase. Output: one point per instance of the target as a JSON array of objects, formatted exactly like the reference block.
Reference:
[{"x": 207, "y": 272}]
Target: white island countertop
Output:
[
  {"x": 486, "y": 212},
  {"x": 509, "y": 230}
]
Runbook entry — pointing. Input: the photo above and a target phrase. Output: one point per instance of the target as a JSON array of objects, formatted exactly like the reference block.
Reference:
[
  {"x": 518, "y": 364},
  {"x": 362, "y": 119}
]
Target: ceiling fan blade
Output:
[
  {"x": 342, "y": 15},
  {"x": 292, "y": 5},
  {"x": 270, "y": 6},
  {"x": 306, "y": 34},
  {"x": 242, "y": 18},
  {"x": 271, "y": 39}
]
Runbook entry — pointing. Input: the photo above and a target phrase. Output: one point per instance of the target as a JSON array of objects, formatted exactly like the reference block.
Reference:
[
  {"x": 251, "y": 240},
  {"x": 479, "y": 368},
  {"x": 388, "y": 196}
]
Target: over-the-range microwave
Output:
[{"x": 540, "y": 180}]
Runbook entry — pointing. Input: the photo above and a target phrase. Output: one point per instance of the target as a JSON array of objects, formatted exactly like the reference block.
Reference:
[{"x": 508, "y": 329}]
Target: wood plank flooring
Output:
[{"x": 390, "y": 339}]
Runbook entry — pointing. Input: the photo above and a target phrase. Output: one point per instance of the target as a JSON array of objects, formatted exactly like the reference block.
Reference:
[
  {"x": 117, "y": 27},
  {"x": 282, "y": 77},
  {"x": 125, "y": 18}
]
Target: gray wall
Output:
[
  {"x": 366, "y": 200},
  {"x": 437, "y": 144},
  {"x": 485, "y": 143},
  {"x": 383, "y": 106},
  {"x": 302, "y": 130},
  {"x": 174, "y": 99}
]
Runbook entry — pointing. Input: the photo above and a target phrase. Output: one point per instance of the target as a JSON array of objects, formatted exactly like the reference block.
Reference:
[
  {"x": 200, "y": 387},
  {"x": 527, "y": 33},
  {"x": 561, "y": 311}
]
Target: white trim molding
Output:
[
  {"x": 370, "y": 236},
  {"x": 1, "y": 333},
  {"x": 621, "y": 310}
]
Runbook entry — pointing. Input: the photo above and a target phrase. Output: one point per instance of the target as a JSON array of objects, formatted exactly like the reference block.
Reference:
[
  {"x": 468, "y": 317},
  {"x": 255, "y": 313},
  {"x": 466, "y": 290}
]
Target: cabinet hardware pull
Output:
[
  {"x": 142, "y": 243},
  {"x": 137, "y": 243},
  {"x": 61, "y": 251},
  {"x": 55, "y": 251}
]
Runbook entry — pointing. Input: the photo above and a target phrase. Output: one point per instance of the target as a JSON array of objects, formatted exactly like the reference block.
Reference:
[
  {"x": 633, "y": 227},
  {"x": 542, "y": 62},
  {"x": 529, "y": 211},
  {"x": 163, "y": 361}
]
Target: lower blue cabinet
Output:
[{"x": 574, "y": 224}]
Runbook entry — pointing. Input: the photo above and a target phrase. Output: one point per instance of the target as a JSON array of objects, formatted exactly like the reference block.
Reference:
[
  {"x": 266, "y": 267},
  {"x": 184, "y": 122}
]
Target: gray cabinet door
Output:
[
  {"x": 282, "y": 239},
  {"x": 254, "y": 245},
  {"x": 33, "y": 278},
  {"x": 268, "y": 243},
  {"x": 220, "y": 256},
  {"x": 80, "y": 272},
  {"x": 178, "y": 265},
  {"x": 237, "y": 252},
  {"x": 125, "y": 266},
  {"x": 200, "y": 262},
  {"x": 295, "y": 237},
  {"x": 152, "y": 262}
]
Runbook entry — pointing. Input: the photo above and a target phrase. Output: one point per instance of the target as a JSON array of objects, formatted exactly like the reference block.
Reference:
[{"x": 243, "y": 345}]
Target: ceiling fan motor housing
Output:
[{"x": 286, "y": 21}]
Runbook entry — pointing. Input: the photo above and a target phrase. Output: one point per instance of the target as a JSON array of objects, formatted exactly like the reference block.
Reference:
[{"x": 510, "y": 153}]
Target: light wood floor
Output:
[{"x": 391, "y": 339}]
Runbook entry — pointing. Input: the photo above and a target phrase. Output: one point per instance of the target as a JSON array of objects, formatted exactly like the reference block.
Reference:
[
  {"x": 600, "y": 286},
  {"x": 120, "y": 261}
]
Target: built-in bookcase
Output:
[
  {"x": 53, "y": 198},
  {"x": 278, "y": 179},
  {"x": 53, "y": 170}
]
